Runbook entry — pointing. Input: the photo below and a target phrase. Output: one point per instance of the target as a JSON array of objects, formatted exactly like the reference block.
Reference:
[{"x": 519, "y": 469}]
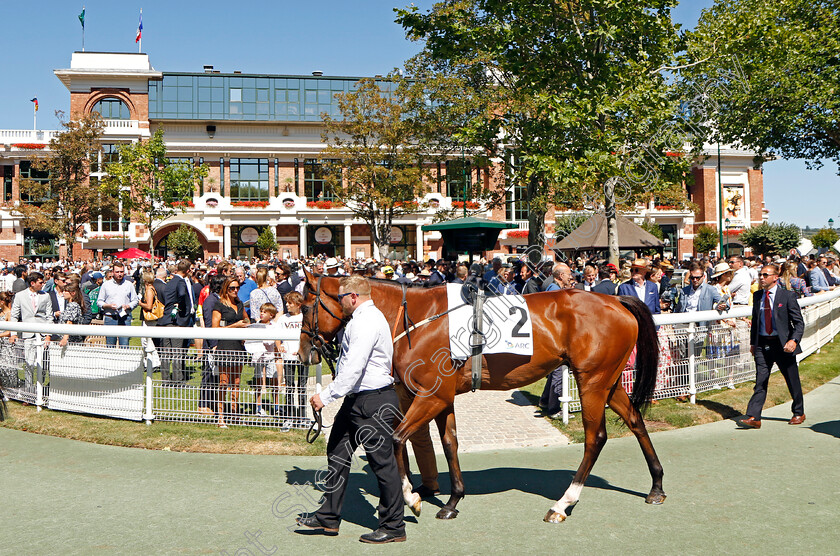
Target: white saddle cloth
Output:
[{"x": 507, "y": 325}]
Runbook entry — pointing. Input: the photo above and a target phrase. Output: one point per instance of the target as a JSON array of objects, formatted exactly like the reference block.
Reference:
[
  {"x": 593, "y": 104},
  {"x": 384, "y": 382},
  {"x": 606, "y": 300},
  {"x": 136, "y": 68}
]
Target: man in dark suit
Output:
[
  {"x": 283, "y": 272},
  {"x": 590, "y": 278},
  {"x": 775, "y": 333},
  {"x": 605, "y": 285},
  {"x": 179, "y": 306},
  {"x": 645, "y": 290}
]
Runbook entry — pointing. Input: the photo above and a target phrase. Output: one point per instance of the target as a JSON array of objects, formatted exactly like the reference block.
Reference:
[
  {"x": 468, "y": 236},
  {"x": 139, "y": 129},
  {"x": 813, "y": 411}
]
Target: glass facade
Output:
[
  {"x": 112, "y": 109},
  {"x": 458, "y": 171},
  {"x": 29, "y": 173},
  {"x": 187, "y": 96},
  {"x": 314, "y": 185},
  {"x": 249, "y": 179},
  {"x": 516, "y": 205}
]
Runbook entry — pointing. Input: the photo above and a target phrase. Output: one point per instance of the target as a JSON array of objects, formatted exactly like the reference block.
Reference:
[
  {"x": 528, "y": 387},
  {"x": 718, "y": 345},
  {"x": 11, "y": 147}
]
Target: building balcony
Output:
[{"x": 27, "y": 139}]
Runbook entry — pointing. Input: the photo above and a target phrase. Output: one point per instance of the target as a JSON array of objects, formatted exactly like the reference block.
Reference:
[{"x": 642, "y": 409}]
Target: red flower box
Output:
[
  {"x": 665, "y": 207},
  {"x": 29, "y": 146},
  {"x": 517, "y": 234},
  {"x": 472, "y": 205},
  {"x": 188, "y": 204},
  {"x": 324, "y": 204},
  {"x": 250, "y": 204}
]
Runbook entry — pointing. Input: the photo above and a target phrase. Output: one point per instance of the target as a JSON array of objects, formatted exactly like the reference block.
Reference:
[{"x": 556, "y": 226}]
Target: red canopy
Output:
[{"x": 133, "y": 253}]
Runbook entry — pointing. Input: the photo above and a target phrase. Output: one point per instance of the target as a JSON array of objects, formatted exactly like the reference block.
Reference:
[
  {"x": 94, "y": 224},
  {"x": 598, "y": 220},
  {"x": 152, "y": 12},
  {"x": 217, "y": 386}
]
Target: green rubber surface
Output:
[{"x": 769, "y": 491}]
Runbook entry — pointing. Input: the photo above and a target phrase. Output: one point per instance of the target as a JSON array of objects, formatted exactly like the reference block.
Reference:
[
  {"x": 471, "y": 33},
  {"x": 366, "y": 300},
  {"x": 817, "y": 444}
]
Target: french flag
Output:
[{"x": 139, "y": 28}]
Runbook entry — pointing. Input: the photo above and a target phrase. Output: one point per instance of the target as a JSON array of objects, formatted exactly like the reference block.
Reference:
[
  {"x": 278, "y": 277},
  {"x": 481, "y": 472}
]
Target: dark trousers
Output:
[
  {"x": 172, "y": 356},
  {"x": 364, "y": 419},
  {"x": 209, "y": 394},
  {"x": 767, "y": 352},
  {"x": 295, "y": 374},
  {"x": 553, "y": 390}
]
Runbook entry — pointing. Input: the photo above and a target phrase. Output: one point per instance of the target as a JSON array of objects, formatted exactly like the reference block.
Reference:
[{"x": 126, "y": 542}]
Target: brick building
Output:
[{"x": 260, "y": 136}]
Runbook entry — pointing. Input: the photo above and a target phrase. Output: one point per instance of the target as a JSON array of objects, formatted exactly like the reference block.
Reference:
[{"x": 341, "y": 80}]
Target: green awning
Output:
[{"x": 467, "y": 223}]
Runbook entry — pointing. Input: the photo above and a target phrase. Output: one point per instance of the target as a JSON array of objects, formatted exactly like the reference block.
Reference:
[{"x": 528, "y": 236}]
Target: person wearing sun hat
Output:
[{"x": 645, "y": 290}]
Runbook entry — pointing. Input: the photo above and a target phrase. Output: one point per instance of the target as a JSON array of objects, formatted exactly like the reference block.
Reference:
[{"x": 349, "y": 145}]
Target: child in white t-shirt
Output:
[
  {"x": 267, "y": 366},
  {"x": 294, "y": 372}
]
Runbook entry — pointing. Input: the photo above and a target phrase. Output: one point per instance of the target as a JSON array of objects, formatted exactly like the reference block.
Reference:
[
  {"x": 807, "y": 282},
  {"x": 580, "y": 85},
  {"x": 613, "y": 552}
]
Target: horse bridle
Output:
[{"x": 328, "y": 350}]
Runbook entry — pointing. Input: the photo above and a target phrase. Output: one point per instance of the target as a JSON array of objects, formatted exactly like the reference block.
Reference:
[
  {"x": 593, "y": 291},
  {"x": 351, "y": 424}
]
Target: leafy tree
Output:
[
  {"x": 769, "y": 239},
  {"x": 578, "y": 97},
  {"x": 379, "y": 163},
  {"x": 770, "y": 72},
  {"x": 151, "y": 186},
  {"x": 826, "y": 237},
  {"x": 266, "y": 243},
  {"x": 705, "y": 239},
  {"x": 652, "y": 228},
  {"x": 184, "y": 241},
  {"x": 68, "y": 200}
]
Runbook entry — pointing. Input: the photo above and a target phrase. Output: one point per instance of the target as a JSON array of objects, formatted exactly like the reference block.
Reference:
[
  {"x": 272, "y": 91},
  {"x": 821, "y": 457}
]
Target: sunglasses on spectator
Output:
[
  {"x": 233, "y": 287},
  {"x": 696, "y": 277},
  {"x": 343, "y": 295},
  {"x": 765, "y": 275}
]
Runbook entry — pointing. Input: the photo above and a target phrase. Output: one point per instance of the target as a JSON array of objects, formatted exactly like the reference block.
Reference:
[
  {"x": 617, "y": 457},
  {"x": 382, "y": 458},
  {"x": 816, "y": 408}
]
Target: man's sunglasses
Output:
[
  {"x": 343, "y": 295},
  {"x": 765, "y": 275}
]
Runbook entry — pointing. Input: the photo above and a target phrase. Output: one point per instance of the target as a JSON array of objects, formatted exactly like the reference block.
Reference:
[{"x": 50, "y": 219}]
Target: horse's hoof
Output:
[
  {"x": 447, "y": 513},
  {"x": 416, "y": 505},
  {"x": 554, "y": 517},
  {"x": 655, "y": 499}
]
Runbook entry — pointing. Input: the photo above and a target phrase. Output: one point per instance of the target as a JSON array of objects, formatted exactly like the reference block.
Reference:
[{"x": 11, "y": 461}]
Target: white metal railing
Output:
[
  {"x": 154, "y": 382},
  {"x": 27, "y": 135},
  {"x": 699, "y": 352}
]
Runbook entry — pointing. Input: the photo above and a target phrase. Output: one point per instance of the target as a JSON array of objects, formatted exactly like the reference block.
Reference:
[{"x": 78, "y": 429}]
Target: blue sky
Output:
[{"x": 279, "y": 36}]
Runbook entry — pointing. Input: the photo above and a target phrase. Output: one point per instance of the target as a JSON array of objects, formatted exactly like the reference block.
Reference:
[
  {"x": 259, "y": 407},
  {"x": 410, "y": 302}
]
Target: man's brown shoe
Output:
[
  {"x": 750, "y": 423},
  {"x": 797, "y": 420}
]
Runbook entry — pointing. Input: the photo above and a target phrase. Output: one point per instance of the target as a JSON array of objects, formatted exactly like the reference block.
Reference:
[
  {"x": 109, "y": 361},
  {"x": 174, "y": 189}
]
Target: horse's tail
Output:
[{"x": 647, "y": 351}]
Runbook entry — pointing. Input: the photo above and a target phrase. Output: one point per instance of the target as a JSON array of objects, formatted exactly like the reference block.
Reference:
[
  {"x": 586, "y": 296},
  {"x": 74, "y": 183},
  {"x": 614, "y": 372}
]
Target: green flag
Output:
[{"x": 82, "y": 17}]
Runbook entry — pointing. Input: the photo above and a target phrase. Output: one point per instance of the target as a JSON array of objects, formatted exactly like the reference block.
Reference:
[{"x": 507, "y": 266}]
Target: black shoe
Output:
[
  {"x": 381, "y": 536},
  {"x": 426, "y": 492},
  {"x": 311, "y": 522}
]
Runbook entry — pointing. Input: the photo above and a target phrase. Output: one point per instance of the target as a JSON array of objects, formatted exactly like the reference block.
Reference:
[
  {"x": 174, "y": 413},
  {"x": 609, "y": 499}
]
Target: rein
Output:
[
  {"x": 327, "y": 350},
  {"x": 408, "y": 329}
]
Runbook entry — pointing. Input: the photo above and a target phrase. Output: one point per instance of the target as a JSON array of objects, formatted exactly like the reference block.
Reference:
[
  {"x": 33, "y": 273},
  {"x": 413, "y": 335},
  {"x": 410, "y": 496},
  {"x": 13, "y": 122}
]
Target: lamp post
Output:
[
  {"x": 727, "y": 237},
  {"x": 830, "y": 222},
  {"x": 125, "y": 222}
]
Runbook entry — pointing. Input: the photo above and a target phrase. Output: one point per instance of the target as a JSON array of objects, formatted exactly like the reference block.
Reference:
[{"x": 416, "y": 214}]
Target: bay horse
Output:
[{"x": 593, "y": 334}]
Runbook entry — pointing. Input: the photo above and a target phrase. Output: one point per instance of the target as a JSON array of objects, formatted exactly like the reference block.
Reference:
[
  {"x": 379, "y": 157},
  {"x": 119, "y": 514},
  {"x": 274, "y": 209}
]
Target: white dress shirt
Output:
[
  {"x": 367, "y": 351},
  {"x": 641, "y": 290},
  {"x": 740, "y": 286}
]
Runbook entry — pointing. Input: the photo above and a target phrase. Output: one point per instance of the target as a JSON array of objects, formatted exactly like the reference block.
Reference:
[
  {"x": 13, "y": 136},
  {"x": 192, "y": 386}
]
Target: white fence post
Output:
[
  {"x": 565, "y": 398},
  {"x": 148, "y": 415},
  {"x": 692, "y": 362},
  {"x": 39, "y": 368}
]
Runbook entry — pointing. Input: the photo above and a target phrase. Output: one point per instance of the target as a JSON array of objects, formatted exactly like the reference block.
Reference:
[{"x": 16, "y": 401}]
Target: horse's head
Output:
[{"x": 322, "y": 316}]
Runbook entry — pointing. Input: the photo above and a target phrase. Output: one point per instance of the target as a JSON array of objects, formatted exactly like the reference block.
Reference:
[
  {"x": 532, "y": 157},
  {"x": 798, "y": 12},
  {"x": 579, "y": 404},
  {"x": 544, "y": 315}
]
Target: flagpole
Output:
[
  {"x": 140, "y": 42},
  {"x": 34, "y": 118}
]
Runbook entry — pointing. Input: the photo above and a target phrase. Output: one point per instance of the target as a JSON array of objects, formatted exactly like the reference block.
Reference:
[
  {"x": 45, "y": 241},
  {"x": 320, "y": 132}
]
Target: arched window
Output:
[{"x": 112, "y": 109}]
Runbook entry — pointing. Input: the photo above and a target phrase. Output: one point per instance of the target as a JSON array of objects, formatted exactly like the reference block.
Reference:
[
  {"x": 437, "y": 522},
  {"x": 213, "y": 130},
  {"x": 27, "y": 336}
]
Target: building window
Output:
[
  {"x": 235, "y": 104},
  {"x": 249, "y": 179},
  {"x": 8, "y": 178},
  {"x": 112, "y": 109},
  {"x": 516, "y": 205},
  {"x": 222, "y": 176},
  {"x": 29, "y": 173},
  {"x": 314, "y": 183},
  {"x": 458, "y": 172}
]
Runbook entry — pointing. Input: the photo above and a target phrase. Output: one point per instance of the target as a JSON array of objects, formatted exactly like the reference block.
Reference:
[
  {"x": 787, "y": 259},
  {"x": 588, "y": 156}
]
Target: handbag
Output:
[{"x": 156, "y": 312}]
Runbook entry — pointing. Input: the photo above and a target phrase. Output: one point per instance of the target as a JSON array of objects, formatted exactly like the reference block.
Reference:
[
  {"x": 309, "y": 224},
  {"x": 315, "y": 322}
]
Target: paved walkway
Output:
[
  {"x": 492, "y": 420},
  {"x": 730, "y": 491}
]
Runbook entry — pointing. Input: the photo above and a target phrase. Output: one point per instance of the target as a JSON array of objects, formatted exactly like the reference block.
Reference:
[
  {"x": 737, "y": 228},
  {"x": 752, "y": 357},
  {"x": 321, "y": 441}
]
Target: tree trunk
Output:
[
  {"x": 612, "y": 223},
  {"x": 536, "y": 226}
]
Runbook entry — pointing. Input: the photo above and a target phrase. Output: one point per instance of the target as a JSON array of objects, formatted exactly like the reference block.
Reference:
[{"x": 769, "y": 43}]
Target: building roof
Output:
[
  {"x": 592, "y": 235},
  {"x": 469, "y": 222}
]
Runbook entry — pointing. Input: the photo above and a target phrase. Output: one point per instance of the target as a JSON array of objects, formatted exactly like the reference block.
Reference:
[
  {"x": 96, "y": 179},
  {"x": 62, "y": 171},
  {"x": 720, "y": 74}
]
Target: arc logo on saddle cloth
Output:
[{"x": 507, "y": 325}]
